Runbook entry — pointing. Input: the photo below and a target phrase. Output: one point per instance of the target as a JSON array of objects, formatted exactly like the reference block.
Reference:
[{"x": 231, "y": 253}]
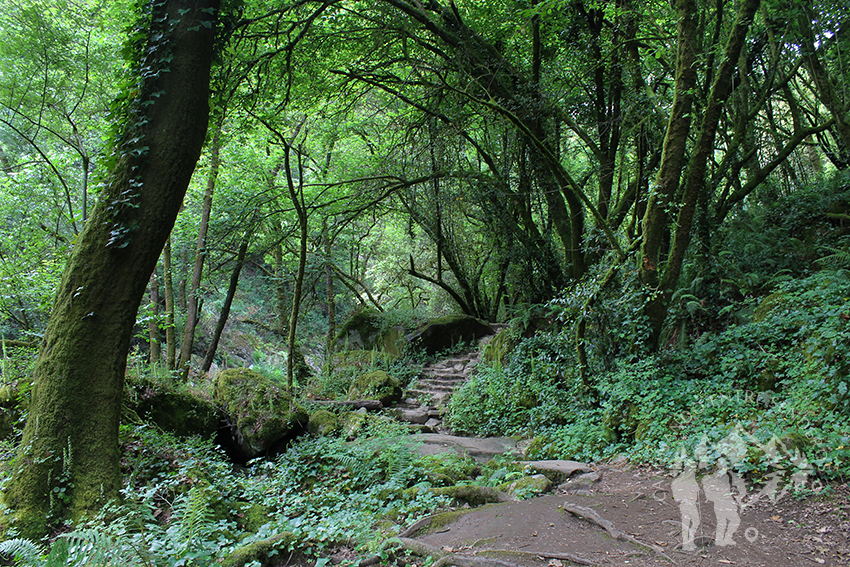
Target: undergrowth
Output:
[{"x": 783, "y": 375}]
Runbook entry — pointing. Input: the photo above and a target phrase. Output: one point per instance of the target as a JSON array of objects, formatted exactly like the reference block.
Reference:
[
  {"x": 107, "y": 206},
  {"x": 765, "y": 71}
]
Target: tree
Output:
[{"x": 68, "y": 461}]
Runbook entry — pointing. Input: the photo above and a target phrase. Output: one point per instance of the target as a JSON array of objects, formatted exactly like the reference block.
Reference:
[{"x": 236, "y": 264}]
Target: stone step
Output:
[
  {"x": 452, "y": 383},
  {"x": 458, "y": 366},
  {"x": 433, "y": 388},
  {"x": 447, "y": 374},
  {"x": 435, "y": 398}
]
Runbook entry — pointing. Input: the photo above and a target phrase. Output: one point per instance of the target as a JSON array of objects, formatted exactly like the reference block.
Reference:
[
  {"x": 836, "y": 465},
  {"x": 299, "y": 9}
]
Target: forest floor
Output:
[
  {"x": 638, "y": 502},
  {"x": 637, "y": 522},
  {"x": 619, "y": 514}
]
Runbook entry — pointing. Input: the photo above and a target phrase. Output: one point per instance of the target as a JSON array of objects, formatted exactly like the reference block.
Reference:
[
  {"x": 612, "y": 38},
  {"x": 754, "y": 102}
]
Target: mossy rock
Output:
[
  {"x": 472, "y": 494},
  {"x": 180, "y": 413},
  {"x": 393, "y": 341},
  {"x": 261, "y": 551},
  {"x": 377, "y": 385},
  {"x": 447, "y": 469},
  {"x": 323, "y": 422},
  {"x": 10, "y": 411},
  {"x": 526, "y": 486},
  {"x": 369, "y": 330},
  {"x": 351, "y": 423},
  {"x": 443, "y": 519},
  {"x": 360, "y": 331},
  {"x": 447, "y": 332},
  {"x": 250, "y": 516},
  {"x": 263, "y": 417},
  {"x": 500, "y": 346}
]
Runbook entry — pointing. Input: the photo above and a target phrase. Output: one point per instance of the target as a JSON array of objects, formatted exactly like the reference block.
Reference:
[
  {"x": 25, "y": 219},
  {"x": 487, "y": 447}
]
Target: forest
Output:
[{"x": 260, "y": 214}]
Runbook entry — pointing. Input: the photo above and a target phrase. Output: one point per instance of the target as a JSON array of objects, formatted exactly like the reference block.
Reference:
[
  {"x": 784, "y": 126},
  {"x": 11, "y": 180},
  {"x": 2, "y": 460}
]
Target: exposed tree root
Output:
[
  {"x": 444, "y": 557},
  {"x": 592, "y": 515},
  {"x": 447, "y": 558},
  {"x": 416, "y": 526}
]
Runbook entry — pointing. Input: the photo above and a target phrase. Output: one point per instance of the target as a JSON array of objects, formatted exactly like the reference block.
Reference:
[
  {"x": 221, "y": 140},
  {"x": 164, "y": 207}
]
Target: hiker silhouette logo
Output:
[{"x": 713, "y": 470}]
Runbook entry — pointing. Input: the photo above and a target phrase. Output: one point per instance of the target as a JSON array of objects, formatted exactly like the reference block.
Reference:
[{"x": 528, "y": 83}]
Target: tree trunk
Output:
[
  {"x": 662, "y": 288},
  {"x": 193, "y": 300},
  {"x": 170, "y": 331},
  {"x": 825, "y": 89},
  {"x": 154, "y": 336},
  {"x": 68, "y": 462},
  {"x": 297, "y": 196},
  {"x": 228, "y": 301},
  {"x": 329, "y": 298}
]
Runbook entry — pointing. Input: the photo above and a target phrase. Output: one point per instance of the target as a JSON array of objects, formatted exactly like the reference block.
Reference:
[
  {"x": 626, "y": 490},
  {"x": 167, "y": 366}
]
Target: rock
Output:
[
  {"x": 262, "y": 416},
  {"x": 259, "y": 551},
  {"x": 377, "y": 385},
  {"x": 581, "y": 484},
  {"x": 444, "y": 333},
  {"x": 361, "y": 331},
  {"x": 368, "y": 329},
  {"x": 482, "y": 450},
  {"x": 178, "y": 412},
  {"x": 251, "y": 516},
  {"x": 472, "y": 494},
  {"x": 322, "y": 422},
  {"x": 526, "y": 486},
  {"x": 557, "y": 471},
  {"x": 418, "y": 416},
  {"x": 351, "y": 422}
]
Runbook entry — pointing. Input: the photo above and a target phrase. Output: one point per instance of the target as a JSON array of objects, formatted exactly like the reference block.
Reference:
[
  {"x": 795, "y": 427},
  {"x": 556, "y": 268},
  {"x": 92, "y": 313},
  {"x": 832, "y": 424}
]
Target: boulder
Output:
[
  {"x": 180, "y": 413},
  {"x": 367, "y": 329},
  {"x": 323, "y": 422},
  {"x": 377, "y": 385},
  {"x": 261, "y": 415},
  {"x": 444, "y": 333},
  {"x": 361, "y": 331}
]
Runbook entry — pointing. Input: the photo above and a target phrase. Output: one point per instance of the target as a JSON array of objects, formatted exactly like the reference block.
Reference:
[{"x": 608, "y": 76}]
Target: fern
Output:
[
  {"x": 22, "y": 551},
  {"x": 95, "y": 547},
  {"x": 194, "y": 514},
  {"x": 840, "y": 258},
  {"x": 356, "y": 466}
]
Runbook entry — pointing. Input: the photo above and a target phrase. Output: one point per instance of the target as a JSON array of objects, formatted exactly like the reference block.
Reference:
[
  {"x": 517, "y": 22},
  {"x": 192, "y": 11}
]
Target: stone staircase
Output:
[{"x": 426, "y": 399}]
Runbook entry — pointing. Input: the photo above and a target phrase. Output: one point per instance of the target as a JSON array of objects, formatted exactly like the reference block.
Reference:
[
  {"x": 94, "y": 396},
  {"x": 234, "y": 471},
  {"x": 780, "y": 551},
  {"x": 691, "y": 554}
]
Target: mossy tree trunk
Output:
[
  {"x": 68, "y": 462},
  {"x": 662, "y": 283}
]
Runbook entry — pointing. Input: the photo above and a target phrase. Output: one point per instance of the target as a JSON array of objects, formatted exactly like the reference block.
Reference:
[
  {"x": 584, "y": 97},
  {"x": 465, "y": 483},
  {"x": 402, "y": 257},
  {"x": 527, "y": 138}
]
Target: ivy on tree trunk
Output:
[{"x": 68, "y": 462}]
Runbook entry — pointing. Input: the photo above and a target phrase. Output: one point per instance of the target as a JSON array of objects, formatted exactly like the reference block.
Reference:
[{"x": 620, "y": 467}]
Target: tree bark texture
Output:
[
  {"x": 297, "y": 196},
  {"x": 170, "y": 331},
  {"x": 68, "y": 462},
  {"x": 656, "y": 219},
  {"x": 154, "y": 336}
]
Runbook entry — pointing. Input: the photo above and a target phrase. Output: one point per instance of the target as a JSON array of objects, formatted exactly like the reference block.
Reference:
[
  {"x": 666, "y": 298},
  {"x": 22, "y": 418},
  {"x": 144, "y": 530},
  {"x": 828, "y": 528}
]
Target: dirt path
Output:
[
  {"x": 639, "y": 503},
  {"x": 619, "y": 515}
]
